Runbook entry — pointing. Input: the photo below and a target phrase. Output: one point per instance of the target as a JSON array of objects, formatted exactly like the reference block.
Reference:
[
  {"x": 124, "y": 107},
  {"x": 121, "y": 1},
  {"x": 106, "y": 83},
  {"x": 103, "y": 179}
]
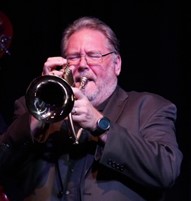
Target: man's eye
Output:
[
  {"x": 94, "y": 55},
  {"x": 73, "y": 57}
]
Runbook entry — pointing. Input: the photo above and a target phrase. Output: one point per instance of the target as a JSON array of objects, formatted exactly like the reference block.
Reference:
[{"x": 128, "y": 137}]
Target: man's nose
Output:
[{"x": 83, "y": 60}]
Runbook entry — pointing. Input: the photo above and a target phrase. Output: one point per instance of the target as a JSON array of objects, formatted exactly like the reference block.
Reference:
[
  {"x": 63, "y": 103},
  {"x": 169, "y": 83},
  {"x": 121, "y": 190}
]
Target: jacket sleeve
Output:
[{"x": 141, "y": 144}]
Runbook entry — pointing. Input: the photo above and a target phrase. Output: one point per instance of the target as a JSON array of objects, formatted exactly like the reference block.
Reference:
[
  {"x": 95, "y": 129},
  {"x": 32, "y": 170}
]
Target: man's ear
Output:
[{"x": 117, "y": 63}]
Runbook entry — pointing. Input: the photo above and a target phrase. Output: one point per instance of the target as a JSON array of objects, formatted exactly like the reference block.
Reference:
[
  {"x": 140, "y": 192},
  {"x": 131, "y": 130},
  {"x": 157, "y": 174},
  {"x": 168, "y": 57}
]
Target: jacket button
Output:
[{"x": 67, "y": 192}]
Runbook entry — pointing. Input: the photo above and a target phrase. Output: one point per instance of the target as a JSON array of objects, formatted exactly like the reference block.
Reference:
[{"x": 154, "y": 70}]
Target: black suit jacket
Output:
[{"x": 139, "y": 161}]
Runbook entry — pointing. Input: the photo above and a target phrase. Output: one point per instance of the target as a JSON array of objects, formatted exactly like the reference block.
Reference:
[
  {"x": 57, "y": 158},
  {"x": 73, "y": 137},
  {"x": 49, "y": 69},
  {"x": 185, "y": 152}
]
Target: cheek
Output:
[
  {"x": 97, "y": 72},
  {"x": 106, "y": 71},
  {"x": 102, "y": 70}
]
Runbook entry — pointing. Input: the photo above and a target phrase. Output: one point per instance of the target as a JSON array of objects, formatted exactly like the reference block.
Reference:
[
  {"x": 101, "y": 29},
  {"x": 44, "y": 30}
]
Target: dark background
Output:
[{"x": 155, "y": 42}]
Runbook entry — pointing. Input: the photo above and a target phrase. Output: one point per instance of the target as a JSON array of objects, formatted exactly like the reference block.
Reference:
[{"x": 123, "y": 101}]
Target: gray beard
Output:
[{"x": 102, "y": 93}]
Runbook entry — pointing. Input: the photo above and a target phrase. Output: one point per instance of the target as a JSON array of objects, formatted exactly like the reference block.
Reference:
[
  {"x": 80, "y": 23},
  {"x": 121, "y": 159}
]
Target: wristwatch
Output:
[{"x": 103, "y": 125}]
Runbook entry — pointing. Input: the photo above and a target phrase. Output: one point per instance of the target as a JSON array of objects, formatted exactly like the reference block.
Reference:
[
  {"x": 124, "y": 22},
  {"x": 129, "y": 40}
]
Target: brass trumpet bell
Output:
[{"x": 49, "y": 98}]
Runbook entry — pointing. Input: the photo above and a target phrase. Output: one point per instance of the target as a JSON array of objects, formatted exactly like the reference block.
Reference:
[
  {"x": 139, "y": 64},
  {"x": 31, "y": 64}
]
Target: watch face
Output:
[{"x": 104, "y": 123}]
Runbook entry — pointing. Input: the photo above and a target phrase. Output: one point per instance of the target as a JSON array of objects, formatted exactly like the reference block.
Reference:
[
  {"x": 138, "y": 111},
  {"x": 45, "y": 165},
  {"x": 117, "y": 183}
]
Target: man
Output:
[{"x": 124, "y": 147}]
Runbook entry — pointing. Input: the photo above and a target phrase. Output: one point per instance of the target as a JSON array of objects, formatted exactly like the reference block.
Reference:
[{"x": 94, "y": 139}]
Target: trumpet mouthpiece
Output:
[{"x": 84, "y": 81}]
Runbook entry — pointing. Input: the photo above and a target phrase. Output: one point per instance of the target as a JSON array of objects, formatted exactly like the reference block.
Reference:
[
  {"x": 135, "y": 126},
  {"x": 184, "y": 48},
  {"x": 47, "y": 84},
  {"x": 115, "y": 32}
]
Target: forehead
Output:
[{"x": 87, "y": 39}]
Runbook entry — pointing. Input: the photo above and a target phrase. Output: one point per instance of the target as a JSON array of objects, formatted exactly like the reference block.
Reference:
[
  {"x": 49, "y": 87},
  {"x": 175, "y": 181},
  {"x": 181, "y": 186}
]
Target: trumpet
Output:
[{"x": 50, "y": 98}]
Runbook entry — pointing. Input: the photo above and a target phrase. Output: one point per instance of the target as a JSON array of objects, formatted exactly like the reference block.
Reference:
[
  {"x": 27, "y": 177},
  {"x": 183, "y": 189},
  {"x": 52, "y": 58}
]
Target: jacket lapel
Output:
[{"x": 116, "y": 104}]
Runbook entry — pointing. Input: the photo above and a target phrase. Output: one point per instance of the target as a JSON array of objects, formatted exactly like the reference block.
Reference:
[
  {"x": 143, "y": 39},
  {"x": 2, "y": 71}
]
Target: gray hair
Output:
[{"x": 94, "y": 24}]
